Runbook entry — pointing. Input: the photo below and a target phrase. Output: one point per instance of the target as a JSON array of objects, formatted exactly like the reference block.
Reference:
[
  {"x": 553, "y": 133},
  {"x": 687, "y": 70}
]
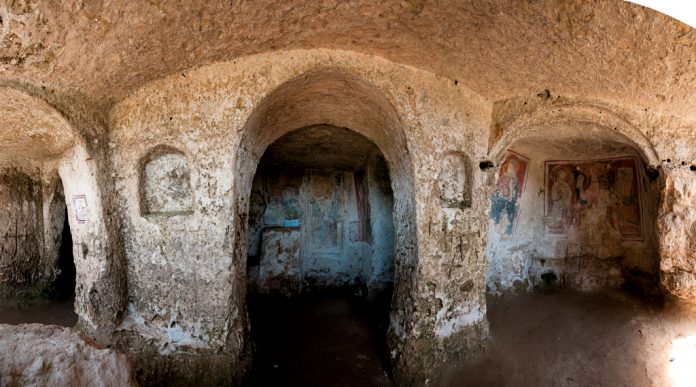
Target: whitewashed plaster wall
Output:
[{"x": 100, "y": 288}]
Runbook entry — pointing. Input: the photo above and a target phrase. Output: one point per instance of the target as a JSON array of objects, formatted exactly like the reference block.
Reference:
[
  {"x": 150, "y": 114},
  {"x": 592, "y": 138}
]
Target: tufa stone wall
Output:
[
  {"x": 21, "y": 232},
  {"x": 172, "y": 289},
  {"x": 587, "y": 228},
  {"x": 48, "y": 355},
  {"x": 63, "y": 148},
  {"x": 34, "y": 210},
  {"x": 186, "y": 273},
  {"x": 165, "y": 183},
  {"x": 676, "y": 225}
]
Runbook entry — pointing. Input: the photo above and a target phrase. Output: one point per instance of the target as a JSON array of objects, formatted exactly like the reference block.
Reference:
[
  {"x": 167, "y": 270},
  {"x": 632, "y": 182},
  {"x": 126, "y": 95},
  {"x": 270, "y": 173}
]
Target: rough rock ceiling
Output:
[
  {"x": 30, "y": 129},
  {"x": 320, "y": 146},
  {"x": 100, "y": 51}
]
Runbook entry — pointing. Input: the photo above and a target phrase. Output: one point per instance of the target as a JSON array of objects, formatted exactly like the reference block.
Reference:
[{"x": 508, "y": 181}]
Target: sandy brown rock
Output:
[
  {"x": 47, "y": 355},
  {"x": 105, "y": 50},
  {"x": 90, "y": 89},
  {"x": 677, "y": 225}
]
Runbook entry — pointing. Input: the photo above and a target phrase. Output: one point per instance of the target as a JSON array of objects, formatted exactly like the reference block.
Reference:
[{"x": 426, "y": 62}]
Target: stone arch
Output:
[
  {"x": 342, "y": 100},
  {"x": 32, "y": 129},
  {"x": 208, "y": 110},
  {"x": 591, "y": 145},
  {"x": 37, "y": 137},
  {"x": 539, "y": 123}
]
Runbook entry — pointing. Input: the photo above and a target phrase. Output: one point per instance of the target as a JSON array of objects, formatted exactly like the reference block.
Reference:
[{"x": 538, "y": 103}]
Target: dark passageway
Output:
[
  {"x": 320, "y": 261},
  {"x": 64, "y": 284},
  {"x": 55, "y": 305}
]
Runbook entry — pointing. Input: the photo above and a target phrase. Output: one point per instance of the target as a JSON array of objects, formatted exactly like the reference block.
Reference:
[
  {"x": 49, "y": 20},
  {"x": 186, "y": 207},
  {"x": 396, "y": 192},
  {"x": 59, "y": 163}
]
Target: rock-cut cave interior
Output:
[{"x": 323, "y": 193}]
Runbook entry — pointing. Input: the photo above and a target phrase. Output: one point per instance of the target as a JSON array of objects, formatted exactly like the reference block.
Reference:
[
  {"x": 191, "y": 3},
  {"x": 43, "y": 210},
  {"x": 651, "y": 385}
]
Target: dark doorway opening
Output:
[
  {"x": 320, "y": 267},
  {"x": 53, "y": 300},
  {"x": 64, "y": 284}
]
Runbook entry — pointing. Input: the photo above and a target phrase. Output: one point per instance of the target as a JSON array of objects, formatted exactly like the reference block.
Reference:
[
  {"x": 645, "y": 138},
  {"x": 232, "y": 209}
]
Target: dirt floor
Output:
[
  {"x": 578, "y": 339},
  {"x": 42, "y": 311},
  {"x": 329, "y": 340},
  {"x": 558, "y": 339}
]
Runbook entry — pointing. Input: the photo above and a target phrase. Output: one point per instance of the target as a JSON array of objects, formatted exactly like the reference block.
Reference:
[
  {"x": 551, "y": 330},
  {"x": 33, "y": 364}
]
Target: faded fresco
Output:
[
  {"x": 560, "y": 198},
  {"x": 325, "y": 208},
  {"x": 508, "y": 189},
  {"x": 312, "y": 228},
  {"x": 283, "y": 210},
  {"x": 609, "y": 186}
]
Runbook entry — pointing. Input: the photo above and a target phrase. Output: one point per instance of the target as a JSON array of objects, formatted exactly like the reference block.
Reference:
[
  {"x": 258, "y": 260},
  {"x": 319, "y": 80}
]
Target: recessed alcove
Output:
[
  {"x": 573, "y": 212},
  {"x": 320, "y": 215},
  {"x": 165, "y": 186}
]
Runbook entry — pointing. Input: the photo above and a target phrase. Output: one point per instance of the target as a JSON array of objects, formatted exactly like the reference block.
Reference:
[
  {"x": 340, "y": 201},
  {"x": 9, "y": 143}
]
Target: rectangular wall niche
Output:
[
  {"x": 604, "y": 190},
  {"x": 454, "y": 181},
  {"x": 165, "y": 184}
]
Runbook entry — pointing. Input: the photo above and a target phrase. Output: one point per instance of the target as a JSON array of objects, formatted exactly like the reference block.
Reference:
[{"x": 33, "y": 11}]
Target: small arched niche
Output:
[
  {"x": 165, "y": 183},
  {"x": 454, "y": 181}
]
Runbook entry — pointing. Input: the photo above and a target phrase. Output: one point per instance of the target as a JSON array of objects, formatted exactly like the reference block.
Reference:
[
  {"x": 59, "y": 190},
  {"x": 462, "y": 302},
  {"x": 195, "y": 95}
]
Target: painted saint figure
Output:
[
  {"x": 624, "y": 213},
  {"x": 504, "y": 200},
  {"x": 561, "y": 212},
  {"x": 591, "y": 191},
  {"x": 587, "y": 185}
]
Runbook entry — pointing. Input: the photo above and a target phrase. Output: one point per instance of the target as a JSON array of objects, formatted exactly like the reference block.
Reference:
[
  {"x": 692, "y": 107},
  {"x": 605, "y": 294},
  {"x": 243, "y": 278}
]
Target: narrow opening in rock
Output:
[
  {"x": 37, "y": 269},
  {"x": 65, "y": 281},
  {"x": 485, "y": 165}
]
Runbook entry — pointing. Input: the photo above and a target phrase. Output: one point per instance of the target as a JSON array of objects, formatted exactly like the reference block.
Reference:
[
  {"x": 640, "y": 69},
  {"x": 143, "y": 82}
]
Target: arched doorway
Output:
[
  {"x": 572, "y": 250},
  {"x": 574, "y": 205},
  {"x": 341, "y": 101},
  {"x": 37, "y": 270},
  {"x": 63, "y": 286},
  {"x": 45, "y": 170},
  {"x": 320, "y": 266}
]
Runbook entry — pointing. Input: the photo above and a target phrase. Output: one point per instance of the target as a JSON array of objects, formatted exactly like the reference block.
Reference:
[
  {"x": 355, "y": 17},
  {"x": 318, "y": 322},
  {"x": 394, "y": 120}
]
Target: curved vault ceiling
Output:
[
  {"x": 30, "y": 128},
  {"x": 608, "y": 50}
]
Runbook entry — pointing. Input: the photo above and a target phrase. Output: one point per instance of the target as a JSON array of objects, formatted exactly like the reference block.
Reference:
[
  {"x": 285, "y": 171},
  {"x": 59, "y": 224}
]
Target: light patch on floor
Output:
[{"x": 682, "y": 368}]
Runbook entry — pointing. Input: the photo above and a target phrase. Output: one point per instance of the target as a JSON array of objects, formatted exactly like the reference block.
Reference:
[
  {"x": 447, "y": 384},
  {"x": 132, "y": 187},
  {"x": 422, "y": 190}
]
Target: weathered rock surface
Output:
[
  {"x": 677, "y": 230},
  {"x": 499, "y": 48},
  {"x": 90, "y": 91},
  {"x": 47, "y": 355}
]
